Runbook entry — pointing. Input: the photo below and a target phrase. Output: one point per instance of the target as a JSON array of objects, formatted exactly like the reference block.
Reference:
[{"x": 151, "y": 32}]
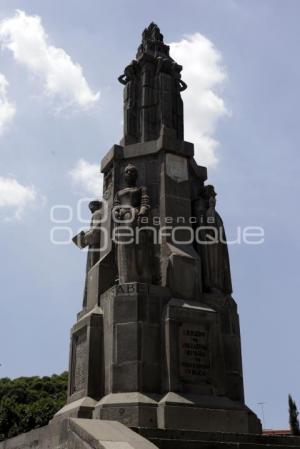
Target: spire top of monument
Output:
[
  {"x": 153, "y": 33},
  {"x": 153, "y": 42},
  {"x": 152, "y": 92}
]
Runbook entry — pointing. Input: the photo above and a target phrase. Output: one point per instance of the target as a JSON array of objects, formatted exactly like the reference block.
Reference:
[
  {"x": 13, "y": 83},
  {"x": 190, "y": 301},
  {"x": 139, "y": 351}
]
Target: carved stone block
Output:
[
  {"x": 86, "y": 357},
  {"x": 194, "y": 362}
]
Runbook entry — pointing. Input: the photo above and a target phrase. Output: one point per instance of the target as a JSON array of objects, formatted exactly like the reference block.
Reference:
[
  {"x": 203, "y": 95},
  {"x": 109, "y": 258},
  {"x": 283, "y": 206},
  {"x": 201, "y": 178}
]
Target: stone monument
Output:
[
  {"x": 157, "y": 344},
  {"x": 156, "y": 348}
]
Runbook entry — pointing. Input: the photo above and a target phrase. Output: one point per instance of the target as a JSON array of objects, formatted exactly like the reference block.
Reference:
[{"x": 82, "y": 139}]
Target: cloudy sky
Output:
[{"x": 61, "y": 110}]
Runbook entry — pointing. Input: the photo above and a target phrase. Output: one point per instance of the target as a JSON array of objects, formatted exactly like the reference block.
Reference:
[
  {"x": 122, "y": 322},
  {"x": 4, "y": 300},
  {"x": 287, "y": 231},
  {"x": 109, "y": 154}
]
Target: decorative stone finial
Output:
[{"x": 153, "y": 43}]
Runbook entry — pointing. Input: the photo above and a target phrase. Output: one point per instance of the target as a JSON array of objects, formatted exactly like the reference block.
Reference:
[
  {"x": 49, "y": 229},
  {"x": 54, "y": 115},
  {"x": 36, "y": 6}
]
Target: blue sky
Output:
[{"x": 242, "y": 104}]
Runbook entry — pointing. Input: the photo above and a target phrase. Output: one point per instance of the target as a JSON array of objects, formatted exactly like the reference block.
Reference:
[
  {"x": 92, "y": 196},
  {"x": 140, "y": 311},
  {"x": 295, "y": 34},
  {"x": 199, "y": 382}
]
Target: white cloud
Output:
[
  {"x": 203, "y": 72},
  {"x": 15, "y": 196},
  {"x": 87, "y": 177},
  {"x": 26, "y": 38},
  {"x": 7, "y": 109}
]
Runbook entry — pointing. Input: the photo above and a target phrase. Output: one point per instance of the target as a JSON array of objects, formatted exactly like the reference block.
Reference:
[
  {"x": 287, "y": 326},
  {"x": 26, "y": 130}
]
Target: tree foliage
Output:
[
  {"x": 293, "y": 414},
  {"x": 30, "y": 402}
]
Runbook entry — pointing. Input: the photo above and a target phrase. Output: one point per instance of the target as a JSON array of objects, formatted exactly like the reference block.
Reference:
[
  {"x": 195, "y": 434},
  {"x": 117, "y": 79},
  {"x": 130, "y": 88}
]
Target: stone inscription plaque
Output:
[
  {"x": 80, "y": 359},
  {"x": 194, "y": 360},
  {"x": 177, "y": 167}
]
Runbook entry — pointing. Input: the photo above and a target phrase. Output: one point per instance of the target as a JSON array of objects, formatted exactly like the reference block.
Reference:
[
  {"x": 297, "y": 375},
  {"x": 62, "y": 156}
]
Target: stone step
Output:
[
  {"x": 173, "y": 439},
  {"x": 196, "y": 444}
]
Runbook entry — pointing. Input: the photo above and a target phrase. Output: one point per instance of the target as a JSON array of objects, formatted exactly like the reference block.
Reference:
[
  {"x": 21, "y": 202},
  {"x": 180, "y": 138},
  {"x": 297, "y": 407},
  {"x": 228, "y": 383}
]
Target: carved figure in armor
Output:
[
  {"x": 169, "y": 86},
  {"x": 212, "y": 246},
  {"x": 131, "y": 114},
  {"x": 131, "y": 204},
  {"x": 91, "y": 238}
]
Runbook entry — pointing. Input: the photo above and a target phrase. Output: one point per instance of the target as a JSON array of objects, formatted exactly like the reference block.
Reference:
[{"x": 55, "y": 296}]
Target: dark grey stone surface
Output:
[
  {"x": 132, "y": 337},
  {"x": 204, "y": 413},
  {"x": 226, "y": 308},
  {"x": 214, "y": 254},
  {"x": 131, "y": 409},
  {"x": 194, "y": 361},
  {"x": 166, "y": 351},
  {"x": 86, "y": 378},
  {"x": 152, "y": 99},
  {"x": 131, "y": 207},
  {"x": 189, "y": 439},
  {"x": 164, "y": 142},
  {"x": 91, "y": 239}
]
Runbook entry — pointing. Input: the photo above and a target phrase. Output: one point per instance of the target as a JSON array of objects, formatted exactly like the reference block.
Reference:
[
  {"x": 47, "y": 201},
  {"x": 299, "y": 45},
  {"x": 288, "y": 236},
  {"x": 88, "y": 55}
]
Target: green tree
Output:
[
  {"x": 30, "y": 402},
  {"x": 293, "y": 417}
]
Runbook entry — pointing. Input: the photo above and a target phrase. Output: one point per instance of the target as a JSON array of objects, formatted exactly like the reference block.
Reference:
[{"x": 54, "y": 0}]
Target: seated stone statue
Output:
[
  {"x": 131, "y": 204},
  {"x": 211, "y": 244}
]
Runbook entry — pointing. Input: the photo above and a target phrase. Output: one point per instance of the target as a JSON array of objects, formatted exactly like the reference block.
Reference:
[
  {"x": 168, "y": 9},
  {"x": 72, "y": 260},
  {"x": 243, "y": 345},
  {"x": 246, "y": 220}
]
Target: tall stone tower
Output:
[{"x": 157, "y": 343}]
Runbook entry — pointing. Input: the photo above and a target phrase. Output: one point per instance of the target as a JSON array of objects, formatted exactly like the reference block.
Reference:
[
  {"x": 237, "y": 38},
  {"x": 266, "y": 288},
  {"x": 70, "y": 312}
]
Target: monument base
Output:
[
  {"x": 206, "y": 414},
  {"x": 72, "y": 433},
  {"x": 176, "y": 411},
  {"x": 131, "y": 409}
]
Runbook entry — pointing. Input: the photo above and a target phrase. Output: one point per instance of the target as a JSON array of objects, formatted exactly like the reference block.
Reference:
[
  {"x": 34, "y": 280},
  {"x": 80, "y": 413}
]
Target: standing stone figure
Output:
[
  {"x": 211, "y": 244},
  {"x": 91, "y": 238},
  {"x": 131, "y": 204},
  {"x": 170, "y": 85},
  {"x": 131, "y": 113}
]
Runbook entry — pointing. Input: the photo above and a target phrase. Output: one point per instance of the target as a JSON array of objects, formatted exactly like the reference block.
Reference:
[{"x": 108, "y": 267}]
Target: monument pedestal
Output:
[
  {"x": 132, "y": 409},
  {"x": 86, "y": 368},
  {"x": 132, "y": 337},
  {"x": 149, "y": 360},
  {"x": 206, "y": 414},
  {"x": 146, "y": 359},
  {"x": 132, "y": 353},
  {"x": 86, "y": 361}
]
